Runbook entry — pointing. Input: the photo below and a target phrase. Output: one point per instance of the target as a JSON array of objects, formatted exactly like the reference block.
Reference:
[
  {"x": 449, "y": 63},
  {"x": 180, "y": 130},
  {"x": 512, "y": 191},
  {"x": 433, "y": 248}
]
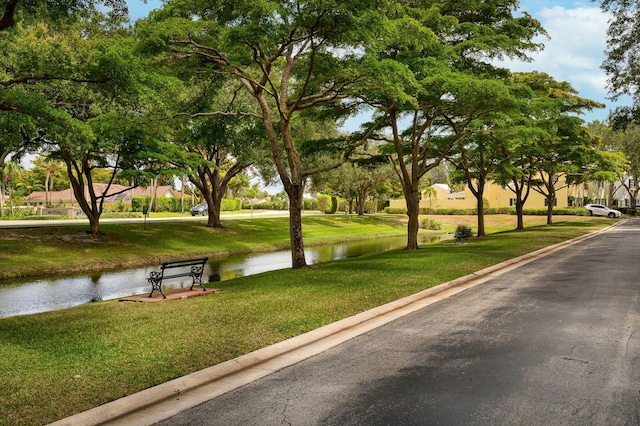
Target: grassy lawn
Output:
[
  {"x": 58, "y": 363},
  {"x": 66, "y": 249}
]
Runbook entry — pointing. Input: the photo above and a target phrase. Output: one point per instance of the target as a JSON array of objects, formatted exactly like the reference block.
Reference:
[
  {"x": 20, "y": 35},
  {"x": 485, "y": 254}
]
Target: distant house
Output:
[
  {"x": 66, "y": 197},
  {"x": 494, "y": 196}
]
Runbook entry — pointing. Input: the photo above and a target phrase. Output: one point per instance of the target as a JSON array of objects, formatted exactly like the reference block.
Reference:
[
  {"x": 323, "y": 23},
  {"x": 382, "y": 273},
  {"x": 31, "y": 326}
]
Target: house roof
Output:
[{"x": 116, "y": 193}]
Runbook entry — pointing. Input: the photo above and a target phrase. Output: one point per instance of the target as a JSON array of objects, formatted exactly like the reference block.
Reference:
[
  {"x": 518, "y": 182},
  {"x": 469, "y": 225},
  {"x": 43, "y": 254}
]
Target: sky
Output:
[
  {"x": 575, "y": 49},
  {"x": 573, "y": 52}
]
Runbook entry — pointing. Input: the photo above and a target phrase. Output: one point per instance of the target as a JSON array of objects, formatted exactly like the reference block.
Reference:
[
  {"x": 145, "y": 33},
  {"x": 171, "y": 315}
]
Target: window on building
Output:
[
  {"x": 546, "y": 202},
  {"x": 631, "y": 183},
  {"x": 512, "y": 202}
]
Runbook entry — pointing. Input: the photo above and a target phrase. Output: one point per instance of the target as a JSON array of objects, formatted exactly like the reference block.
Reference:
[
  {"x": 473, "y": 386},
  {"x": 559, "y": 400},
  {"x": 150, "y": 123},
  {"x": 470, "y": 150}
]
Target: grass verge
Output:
[{"x": 59, "y": 363}]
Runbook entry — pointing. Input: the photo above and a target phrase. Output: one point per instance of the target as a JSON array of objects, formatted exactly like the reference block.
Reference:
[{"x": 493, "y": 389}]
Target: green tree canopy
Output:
[
  {"x": 431, "y": 76},
  {"x": 291, "y": 58}
]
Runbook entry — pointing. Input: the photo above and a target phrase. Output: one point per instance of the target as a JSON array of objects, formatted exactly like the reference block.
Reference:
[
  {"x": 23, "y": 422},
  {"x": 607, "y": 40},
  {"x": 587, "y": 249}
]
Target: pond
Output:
[{"x": 29, "y": 296}]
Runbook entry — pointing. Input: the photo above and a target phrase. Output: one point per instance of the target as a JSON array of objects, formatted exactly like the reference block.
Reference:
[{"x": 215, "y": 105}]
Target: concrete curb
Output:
[{"x": 168, "y": 399}]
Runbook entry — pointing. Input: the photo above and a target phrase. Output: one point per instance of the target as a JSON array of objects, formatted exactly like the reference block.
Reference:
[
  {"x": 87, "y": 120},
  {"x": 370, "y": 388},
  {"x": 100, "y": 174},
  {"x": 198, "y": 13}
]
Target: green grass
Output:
[
  {"x": 65, "y": 249},
  {"x": 59, "y": 363}
]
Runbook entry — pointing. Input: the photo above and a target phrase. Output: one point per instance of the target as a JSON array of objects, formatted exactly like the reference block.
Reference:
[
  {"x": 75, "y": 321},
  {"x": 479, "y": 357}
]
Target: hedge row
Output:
[
  {"x": 166, "y": 204},
  {"x": 571, "y": 211}
]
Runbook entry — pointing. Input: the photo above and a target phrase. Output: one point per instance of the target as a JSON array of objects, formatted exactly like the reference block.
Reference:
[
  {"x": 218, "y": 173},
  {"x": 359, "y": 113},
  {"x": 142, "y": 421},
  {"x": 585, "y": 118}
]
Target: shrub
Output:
[
  {"x": 117, "y": 207},
  {"x": 369, "y": 207},
  {"x": 48, "y": 217},
  {"x": 428, "y": 211},
  {"x": 117, "y": 215},
  {"x": 19, "y": 213},
  {"x": 395, "y": 210},
  {"x": 334, "y": 204},
  {"x": 431, "y": 224},
  {"x": 565, "y": 211},
  {"x": 310, "y": 204},
  {"x": 230, "y": 204},
  {"x": 324, "y": 202},
  {"x": 463, "y": 232},
  {"x": 272, "y": 205}
]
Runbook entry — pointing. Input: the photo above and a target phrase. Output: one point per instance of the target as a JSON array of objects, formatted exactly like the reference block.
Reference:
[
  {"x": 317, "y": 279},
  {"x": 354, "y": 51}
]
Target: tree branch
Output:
[
  {"x": 34, "y": 79},
  {"x": 217, "y": 114}
]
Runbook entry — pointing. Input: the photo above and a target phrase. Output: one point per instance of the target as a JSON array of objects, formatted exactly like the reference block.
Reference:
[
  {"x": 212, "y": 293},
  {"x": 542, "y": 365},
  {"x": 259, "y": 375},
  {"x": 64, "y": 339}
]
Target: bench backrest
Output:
[{"x": 181, "y": 263}]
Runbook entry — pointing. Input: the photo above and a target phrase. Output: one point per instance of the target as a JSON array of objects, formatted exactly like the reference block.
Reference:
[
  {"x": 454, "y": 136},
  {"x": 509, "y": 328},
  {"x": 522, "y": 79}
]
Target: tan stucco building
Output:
[{"x": 494, "y": 196}]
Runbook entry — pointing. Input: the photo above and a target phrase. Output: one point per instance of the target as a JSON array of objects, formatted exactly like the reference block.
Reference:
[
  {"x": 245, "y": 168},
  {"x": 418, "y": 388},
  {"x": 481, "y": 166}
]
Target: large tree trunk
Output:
[
  {"x": 520, "y": 214},
  {"x": 295, "y": 193},
  {"x": 481, "y": 230},
  {"x": 360, "y": 200},
  {"x": 214, "y": 203},
  {"x": 94, "y": 223},
  {"x": 76, "y": 171},
  {"x": 413, "y": 211},
  {"x": 551, "y": 199},
  {"x": 213, "y": 187},
  {"x": 92, "y": 213},
  {"x": 480, "y": 207}
]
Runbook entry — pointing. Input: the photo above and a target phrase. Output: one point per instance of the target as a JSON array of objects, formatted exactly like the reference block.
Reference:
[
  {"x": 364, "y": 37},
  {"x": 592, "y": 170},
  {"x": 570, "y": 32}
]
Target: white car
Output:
[{"x": 600, "y": 210}]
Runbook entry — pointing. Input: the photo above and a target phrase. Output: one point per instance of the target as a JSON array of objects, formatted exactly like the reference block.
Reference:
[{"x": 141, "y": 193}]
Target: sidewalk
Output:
[{"x": 168, "y": 399}]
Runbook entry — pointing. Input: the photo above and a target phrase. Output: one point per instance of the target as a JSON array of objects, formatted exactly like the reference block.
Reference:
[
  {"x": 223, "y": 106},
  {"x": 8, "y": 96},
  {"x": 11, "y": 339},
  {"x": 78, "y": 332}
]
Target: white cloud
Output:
[
  {"x": 577, "y": 45},
  {"x": 574, "y": 51}
]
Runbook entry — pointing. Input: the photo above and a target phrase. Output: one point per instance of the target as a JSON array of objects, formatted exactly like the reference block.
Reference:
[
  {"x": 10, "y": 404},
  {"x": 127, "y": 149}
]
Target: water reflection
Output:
[{"x": 28, "y": 296}]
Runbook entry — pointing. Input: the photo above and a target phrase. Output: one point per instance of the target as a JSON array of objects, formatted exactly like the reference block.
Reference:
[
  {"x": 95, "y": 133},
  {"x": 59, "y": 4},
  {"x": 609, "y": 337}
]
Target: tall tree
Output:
[
  {"x": 289, "y": 57},
  {"x": 479, "y": 157},
  {"x": 432, "y": 72},
  {"x": 623, "y": 56},
  {"x": 217, "y": 148},
  {"x": 626, "y": 142},
  {"x": 631, "y": 150},
  {"x": 476, "y": 160},
  {"x": 93, "y": 122},
  {"x": 565, "y": 149},
  {"x": 356, "y": 181},
  {"x": 613, "y": 164},
  {"x": 222, "y": 148}
]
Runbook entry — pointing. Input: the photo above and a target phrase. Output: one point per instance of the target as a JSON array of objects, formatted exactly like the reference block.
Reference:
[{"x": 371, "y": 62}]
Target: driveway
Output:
[{"x": 553, "y": 342}]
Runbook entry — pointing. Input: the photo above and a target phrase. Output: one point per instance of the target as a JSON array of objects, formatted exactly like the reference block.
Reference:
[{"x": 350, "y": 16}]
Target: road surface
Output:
[{"x": 554, "y": 342}]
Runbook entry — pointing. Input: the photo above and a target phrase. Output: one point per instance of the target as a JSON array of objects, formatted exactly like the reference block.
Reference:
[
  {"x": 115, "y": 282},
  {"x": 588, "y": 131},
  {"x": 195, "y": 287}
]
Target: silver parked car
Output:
[
  {"x": 600, "y": 210},
  {"x": 200, "y": 209}
]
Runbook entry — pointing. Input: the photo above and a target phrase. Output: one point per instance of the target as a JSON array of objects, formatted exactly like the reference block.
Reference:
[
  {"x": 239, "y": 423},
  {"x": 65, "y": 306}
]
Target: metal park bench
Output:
[{"x": 185, "y": 268}]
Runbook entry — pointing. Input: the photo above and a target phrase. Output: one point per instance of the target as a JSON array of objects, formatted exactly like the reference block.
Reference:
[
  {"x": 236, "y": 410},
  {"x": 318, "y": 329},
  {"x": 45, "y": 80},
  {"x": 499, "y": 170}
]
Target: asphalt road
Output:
[{"x": 553, "y": 342}]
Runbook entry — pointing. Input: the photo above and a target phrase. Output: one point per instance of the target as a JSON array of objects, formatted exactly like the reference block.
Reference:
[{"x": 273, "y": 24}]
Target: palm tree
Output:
[
  {"x": 10, "y": 171},
  {"x": 430, "y": 191}
]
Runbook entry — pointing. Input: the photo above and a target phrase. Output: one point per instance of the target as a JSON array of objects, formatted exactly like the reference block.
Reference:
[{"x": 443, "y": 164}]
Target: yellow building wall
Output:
[{"x": 495, "y": 196}]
